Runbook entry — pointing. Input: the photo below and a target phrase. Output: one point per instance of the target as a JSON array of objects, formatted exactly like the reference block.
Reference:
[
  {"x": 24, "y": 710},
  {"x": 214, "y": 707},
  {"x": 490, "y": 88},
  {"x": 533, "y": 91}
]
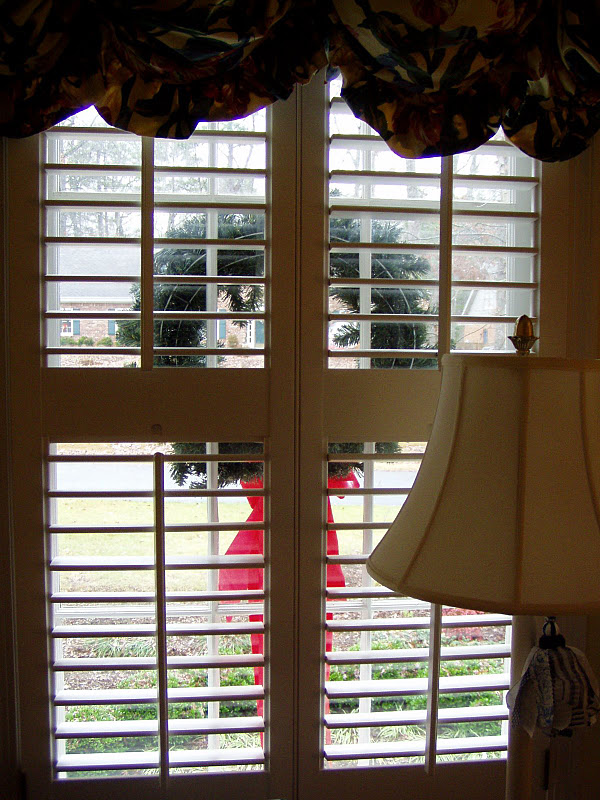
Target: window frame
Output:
[{"x": 318, "y": 392}]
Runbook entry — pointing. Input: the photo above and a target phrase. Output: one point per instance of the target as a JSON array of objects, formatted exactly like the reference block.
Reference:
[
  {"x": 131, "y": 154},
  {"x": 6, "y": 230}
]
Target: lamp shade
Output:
[{"x": 504, "y": 514}]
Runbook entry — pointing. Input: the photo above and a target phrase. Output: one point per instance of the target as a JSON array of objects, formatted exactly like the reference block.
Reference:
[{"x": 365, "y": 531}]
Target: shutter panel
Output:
[
  {"x": 377, "y": 664},
  {"x": 175, "y": 234},
  {"x": 76, "y": 327},
  {"x": 426, "y": 256},
  {"x": 120, "y": 702},
  {"x": 157, "y": 654}
]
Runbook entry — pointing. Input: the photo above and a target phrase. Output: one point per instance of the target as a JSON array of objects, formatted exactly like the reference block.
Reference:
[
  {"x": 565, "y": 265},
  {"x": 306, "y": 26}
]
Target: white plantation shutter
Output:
[
  {"x": 464, "y": 232},
  {"x": 467, "y": 225},
  {"x": 213, "y": 623},
  {"x": 151, "y": 678},
  {"x": 384, "y": 668},
  {"x": 355, "y": 679},
  {"x": 106, "y": 219}
]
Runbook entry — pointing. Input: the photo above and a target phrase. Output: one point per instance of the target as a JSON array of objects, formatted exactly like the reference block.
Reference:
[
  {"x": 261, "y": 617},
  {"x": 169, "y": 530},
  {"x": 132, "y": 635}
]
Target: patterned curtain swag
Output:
[{"x": 432, "y": 77}]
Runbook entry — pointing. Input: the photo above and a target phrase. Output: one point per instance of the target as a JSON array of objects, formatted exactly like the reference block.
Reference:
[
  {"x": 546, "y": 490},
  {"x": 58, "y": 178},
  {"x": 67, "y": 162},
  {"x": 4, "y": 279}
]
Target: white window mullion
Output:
[
  {"x": 511, "y": 273},
  {"x": 433, "y": 686},
  {"x": 161, "y": 618},
  {"x": 212, "y": 232},
  {"x": 364, "y": 260},
  {"x": 212, "y": 448},
  {"x": 51, "y": 293},
  {"x": 445, "y": 274},
  {"x": 364, "y": 267},
  {"x": 147, "y": 254},
  {"x": 365, "y": 705},
  {"x": 508, "y": 640}
]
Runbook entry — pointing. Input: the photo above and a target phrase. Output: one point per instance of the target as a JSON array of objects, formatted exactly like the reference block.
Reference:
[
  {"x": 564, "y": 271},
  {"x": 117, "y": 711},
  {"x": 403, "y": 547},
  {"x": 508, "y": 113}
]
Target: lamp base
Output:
[{"x": 558, "y": 690}]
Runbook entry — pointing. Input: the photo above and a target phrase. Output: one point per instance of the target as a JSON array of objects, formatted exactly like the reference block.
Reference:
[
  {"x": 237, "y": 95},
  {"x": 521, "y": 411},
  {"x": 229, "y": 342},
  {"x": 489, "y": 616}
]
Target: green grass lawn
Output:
[
  {"x": 82, "y": 512},
  {"x": 93, "y": 512},
  {"x": 121, "y": 512}
]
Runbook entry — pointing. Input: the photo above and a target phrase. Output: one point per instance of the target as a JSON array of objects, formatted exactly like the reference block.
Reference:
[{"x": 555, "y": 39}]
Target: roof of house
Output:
[{"x": 102, "y": 260}]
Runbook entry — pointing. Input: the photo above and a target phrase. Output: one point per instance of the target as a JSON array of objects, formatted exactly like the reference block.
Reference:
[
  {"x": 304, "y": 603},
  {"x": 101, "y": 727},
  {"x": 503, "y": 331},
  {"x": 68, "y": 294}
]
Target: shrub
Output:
[
  {"x": 122, "y": 648},
  {"x": 105, "y": 341}
]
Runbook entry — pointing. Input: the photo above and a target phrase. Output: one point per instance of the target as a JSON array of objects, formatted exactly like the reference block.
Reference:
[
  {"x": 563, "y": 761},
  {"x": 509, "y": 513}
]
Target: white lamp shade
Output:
[{"x": 504, "y": 514}]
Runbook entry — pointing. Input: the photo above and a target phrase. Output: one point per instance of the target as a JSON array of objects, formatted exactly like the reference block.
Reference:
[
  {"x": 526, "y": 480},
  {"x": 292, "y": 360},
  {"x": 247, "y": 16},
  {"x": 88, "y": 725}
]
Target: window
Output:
[
  {"x": 380, "y": 660},
  {"x": 255, "y": 333},
  {"x": 425, "y": 256},
  {"x": 180, "y": 223},
  {"x": 319, "y": 362},
  {"x": 143, "y": 564},
  {"x": 68, "y": 327}
]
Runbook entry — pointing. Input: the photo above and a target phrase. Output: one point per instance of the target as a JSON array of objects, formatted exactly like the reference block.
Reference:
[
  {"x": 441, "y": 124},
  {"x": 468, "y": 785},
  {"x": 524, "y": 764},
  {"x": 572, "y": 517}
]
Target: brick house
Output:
[{"x": 121, "y": 261}]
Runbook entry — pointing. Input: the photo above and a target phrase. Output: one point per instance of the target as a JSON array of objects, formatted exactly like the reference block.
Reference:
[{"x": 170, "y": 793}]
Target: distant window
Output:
[
  {"x": 255, "y": 333},
  {"x": 70, "y": 327}
]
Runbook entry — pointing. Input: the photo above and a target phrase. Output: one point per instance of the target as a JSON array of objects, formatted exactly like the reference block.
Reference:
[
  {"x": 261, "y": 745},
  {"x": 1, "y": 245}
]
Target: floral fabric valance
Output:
[{"x": 431, "y": 76}]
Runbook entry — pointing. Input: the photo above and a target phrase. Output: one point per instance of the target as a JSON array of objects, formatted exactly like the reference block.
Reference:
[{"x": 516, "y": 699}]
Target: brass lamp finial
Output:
[{"x": 523, "y": 338}]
